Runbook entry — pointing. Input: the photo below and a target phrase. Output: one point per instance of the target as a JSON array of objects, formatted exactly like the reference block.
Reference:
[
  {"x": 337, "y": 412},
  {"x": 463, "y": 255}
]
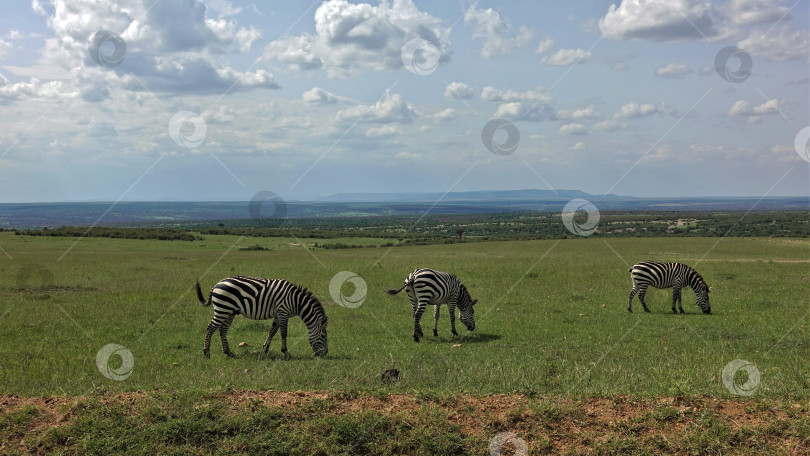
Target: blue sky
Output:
[{"x": 220, "y": 100}]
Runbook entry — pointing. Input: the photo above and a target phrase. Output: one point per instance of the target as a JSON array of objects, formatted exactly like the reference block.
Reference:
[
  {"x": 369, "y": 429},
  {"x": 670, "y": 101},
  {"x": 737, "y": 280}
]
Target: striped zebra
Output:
[
  {"x": 668, "y": 275},
  {"x": 259, "y": 299},
  {"x": 428, "y": 287}
]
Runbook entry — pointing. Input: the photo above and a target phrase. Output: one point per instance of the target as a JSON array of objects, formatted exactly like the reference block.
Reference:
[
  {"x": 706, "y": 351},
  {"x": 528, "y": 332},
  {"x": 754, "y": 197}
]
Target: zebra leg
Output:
[
  {"x": 452, "y": 308},
  {"x": 223, "y": 334},
  {"x": 209, "y": 331},
  {"x": 641, "y": 292},
  {"x": 417, "y": 327},
  {"x": 436, "y": 320},
  {"x": 273, "y": 330},
  {"x": 676, "y": 298},
  {"x": 282, "y": 323},
  {"x": 630, "y": 303}
]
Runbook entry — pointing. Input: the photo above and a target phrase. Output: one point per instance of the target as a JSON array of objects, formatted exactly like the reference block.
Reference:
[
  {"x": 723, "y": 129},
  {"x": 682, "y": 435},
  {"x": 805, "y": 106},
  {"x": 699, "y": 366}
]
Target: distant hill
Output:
[{"x": 473, "y": 196}]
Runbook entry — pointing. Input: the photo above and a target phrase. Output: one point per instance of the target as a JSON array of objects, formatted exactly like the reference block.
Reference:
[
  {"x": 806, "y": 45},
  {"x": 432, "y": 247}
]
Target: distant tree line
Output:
[{"x": 448, "y": 229}]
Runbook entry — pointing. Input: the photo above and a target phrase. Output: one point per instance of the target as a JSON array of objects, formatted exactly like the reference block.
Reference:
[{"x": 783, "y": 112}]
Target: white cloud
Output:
[
  {"x": 317, "y": 95},
  {"x": 495, "y": 32},
  {"x": 391, "y": 109},
  {"x": 170, "y": 46},
  {"x": 532, "y": 112},
  {"x": 661, "y": 20},
  {"x": 544, "y": 46},
  {"x": 573, "y": 129},
  {"x": 5, "y": 47},
  {"x": 620, "y": 66},
  {"x": 494, "y": 95},
  {"x": 744, "y": 108},
  {"x": 749, "y": 12},
  {"x": 635, "y": 110},
  {"x": 564, "y": 57},
  {"x": 458, "y": 91},
  {"x": 580, "y": 146},
  {"x": 447, "y": 114},
  {"x": 384, "y": 130},
  {"x": 779, "y": 44},
  {"x": 588, "y": 112},
  {"x": 673, "y": 71},
  {"x": 352, "y": 37},
  {"x": 706, "y": 70}
]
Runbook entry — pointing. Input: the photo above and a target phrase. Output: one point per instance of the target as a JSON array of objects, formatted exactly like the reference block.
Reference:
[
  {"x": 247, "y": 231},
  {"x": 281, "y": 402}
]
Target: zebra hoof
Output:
[
  {"x": 416, "y": 339},
  {"x": 286, "y": 355},
  {"x": 630, "y": 310},
  {"x": 206, "y": 354},
  {"x": 647, "y": 310},
  {"x": 455, "y": 333},
  {"x": 230, "y": 355},
  {"x": 435, "y": 333}
]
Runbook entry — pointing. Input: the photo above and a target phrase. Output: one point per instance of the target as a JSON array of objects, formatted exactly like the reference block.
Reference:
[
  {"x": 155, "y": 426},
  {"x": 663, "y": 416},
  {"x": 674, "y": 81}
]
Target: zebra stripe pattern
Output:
[
  {"x": 668, "y": 275},
  {"x": 260, "y": 299},
  {"x": 428, "y": 287}
]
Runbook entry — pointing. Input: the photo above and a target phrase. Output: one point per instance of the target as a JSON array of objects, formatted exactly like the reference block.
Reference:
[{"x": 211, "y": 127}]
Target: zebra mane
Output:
[
  {"x": 309, "y": 297},
  {"x": 699, "y": 277}
]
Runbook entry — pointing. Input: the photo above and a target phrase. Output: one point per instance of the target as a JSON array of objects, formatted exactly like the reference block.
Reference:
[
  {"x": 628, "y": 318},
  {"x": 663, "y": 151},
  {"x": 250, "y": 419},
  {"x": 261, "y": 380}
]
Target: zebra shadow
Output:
[{"x": 475, "y": 338}]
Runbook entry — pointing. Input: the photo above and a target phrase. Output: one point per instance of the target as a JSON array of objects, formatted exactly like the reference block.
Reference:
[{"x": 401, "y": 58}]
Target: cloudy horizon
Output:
[{"x": 219, "y": 100}]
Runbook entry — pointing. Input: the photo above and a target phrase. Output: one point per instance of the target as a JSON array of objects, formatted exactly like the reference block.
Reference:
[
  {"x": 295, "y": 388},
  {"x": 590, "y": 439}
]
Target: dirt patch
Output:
[{"x": 548, "y": 425}]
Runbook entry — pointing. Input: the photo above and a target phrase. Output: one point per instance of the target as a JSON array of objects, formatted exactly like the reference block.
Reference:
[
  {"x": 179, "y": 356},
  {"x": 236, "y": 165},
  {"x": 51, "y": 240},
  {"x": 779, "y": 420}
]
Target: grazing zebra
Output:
[
  {"x": 260, "y": 299},
  {"x": 666, "y": 275},
  {"x": 429, "y": 287}
]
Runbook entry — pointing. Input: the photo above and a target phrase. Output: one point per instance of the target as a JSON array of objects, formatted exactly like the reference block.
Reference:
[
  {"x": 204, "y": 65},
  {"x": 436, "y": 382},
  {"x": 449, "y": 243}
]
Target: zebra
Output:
[
  {"x": 260, "y": 299},
  {"x": 428, "y": 287},
  {"x": 666, "y": 275}
]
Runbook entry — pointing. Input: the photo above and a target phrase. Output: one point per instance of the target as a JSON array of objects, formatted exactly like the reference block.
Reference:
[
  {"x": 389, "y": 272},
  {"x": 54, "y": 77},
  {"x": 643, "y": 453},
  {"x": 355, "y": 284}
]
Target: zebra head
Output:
[
  {"x": 702, "y": 298},
  {"x": 317, "y": 337},
  {"x": 465, "y": 308}
]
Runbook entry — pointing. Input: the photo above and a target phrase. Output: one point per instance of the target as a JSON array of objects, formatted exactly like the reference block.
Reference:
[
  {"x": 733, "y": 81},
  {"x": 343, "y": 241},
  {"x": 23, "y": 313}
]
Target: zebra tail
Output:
[
  {"x": 200, "y": 296},
  {"x": 393, "y": 292}
]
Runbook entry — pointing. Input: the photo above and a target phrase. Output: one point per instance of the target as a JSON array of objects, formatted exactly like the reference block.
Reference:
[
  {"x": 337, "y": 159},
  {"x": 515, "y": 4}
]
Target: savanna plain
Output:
[{"x": 556, "y": 364}]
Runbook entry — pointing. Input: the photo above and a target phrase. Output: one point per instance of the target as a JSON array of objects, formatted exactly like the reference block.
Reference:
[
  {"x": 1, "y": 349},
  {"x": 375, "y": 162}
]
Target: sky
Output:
[{"x": 214, "y": 100}]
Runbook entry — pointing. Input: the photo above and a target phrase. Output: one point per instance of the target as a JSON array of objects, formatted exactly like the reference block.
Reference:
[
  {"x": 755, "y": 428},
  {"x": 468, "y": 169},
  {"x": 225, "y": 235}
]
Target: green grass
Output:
[{"x": 551, "y": 318}]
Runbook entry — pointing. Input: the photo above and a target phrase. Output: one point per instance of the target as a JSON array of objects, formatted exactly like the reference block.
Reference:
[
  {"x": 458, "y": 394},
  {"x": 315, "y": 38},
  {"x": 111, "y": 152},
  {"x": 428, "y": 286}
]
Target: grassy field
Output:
[
  {"x": 578, "y": 373},
  {"x": 551, "y": 318}
]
